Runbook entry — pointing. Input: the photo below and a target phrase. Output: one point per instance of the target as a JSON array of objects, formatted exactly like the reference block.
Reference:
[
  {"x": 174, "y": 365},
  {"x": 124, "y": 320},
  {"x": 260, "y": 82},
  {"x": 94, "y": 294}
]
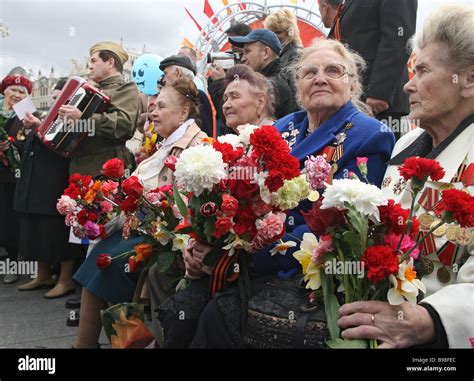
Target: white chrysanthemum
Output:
[
  {"x": 232, "y": 139},
  {"x": 364, "y": 197},
  {"x": 199, "y": 168},
  {"x": 245, "y": 131}
]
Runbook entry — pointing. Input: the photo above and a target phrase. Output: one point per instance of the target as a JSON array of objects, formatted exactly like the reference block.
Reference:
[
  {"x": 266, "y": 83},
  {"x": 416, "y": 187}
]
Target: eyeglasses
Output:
[{"x": 333, "y": 71}]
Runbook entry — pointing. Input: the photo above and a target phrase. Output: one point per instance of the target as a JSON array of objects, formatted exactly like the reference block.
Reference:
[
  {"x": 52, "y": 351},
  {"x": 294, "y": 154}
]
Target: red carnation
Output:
[
  {"x": 103, "y": 261},
  {"x": 75, "y": 178},
  {"x": 395, "y": 217},
  {"x": 222, "y": 226},
  {"x": 72, "y": 191},
  {"x": 245, "y": 223},
  {"x": 129, "y": 205},
  {"x": 132, "y": 264},
  {"x": 229, "y": 154},
  {"x": 321, "y": 220},
  {"x": 82, "y": 217},
  {"x": 458, "y": 205},
  {"x": 132, "y": 187},
  {"x": 113, "y": 168},
  {"x": 380, "y": 261},
  {"x": 420, "y": 169},
  {"x": 229, "y": 205},
  {"x": 266, "y": 141}
]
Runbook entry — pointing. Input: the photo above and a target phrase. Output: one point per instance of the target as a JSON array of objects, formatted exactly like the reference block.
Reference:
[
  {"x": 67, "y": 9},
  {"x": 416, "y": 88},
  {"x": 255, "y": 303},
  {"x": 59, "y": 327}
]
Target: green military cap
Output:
[{"x": 112, "y": 47}]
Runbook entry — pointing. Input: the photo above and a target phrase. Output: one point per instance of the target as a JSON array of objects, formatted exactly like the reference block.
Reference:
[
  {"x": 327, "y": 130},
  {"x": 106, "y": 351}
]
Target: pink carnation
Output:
[
  {"x": 407, "y": 243},
  {"x": 110, "y": 187},
  {"x": 317, "y": 171},
  {"x": 92, "y": 230},
  {"x": 155, "y": 197},
  {"x": 66, "y": 205},
  {"x": 71, "y": 219},
  {"x": 325, "y": 245},
  {"x": 271, "y": 226},
  {"x": 106, "y": 207}
]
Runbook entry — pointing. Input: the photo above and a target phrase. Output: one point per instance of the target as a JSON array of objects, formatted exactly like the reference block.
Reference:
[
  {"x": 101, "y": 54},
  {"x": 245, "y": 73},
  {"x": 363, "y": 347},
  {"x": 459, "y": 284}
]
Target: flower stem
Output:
[
  {"x": 345, "y": 277},
  {"x": 409, "y": 223},
  {"x": 405, "y": 256}
]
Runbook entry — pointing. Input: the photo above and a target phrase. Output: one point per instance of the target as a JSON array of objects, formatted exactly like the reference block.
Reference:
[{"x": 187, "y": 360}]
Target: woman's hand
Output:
[
  {"x": 31, "y": 121},
  {"x": 193, "y": 257},
  {"x": 400, "y": 326},
  {"x": 4, "y": 146}
]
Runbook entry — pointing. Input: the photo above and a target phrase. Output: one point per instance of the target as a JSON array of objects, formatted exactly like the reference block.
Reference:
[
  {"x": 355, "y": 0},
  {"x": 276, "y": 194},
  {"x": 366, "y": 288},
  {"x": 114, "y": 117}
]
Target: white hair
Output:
[
  {"x": 185, "y": 72},
  {"x": 452, "y": 24}
]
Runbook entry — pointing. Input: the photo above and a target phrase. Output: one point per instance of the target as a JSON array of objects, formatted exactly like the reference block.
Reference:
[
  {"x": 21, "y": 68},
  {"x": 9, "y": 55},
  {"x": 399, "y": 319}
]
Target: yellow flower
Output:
[
  {"x": 405, "y": 285},
  {"x": 291, "y": 193},
  {"x": 282, "y": 247},
  {"x": 304, "y": 256}
]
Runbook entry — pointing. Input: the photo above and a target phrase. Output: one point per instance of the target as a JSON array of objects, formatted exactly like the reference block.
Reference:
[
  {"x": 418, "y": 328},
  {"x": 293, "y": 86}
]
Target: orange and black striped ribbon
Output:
[
  {"x": 219, "y": 274},
  {"x": 448, "y": 253},
  {"x": 337, "y": 23}
]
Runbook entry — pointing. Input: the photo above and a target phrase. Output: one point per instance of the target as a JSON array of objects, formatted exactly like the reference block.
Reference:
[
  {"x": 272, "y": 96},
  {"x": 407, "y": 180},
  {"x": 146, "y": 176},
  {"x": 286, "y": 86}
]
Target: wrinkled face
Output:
[
  {"x": 168, "y": 114},
  {"x": 13, "y": 95},
  {"x": 171, "y": 74},
  {"x": 99, "y": 69},
  {"x": 327, "y": 90},
  {"x": 241, "y": 105},
  {"x": 254, "y": 56},
  {"x": 435, "y": 89}
]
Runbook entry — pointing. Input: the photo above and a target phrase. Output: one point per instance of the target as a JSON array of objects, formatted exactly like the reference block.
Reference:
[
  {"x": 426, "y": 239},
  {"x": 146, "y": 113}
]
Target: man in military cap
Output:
[{"x": 117, "y": 124}]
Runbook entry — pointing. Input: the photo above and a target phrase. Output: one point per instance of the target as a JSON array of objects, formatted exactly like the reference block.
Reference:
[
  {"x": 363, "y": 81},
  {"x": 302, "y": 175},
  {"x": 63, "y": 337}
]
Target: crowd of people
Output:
[{"x": 342, "y": 91}]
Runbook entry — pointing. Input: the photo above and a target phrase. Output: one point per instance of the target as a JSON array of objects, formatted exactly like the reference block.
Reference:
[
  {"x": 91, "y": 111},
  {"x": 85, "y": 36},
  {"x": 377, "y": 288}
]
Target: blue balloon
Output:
[{"x": 146, "y": 73}]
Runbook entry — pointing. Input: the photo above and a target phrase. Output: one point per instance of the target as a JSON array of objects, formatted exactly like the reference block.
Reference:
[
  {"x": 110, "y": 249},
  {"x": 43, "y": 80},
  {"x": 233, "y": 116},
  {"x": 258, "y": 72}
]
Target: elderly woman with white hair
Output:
[{"x": 442, "y": 103}]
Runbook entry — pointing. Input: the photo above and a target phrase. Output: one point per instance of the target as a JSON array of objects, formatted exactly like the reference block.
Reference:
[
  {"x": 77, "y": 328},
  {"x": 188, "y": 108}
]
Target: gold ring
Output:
[{"x": 373, "y": 319}]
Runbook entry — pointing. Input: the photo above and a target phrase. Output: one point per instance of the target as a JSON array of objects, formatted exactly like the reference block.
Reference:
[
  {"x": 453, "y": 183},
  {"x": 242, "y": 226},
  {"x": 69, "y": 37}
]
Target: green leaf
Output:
[
  {"x": 213, "y": 257},
  {"x": 165, "y": 260},
  {"x": 331, "y": 306},
  {"x": 347, "y": 344},
  {"x": 179, "y": 201},
  {"x": 186, "y": 230},
  {"x": 209, "y": 227}
]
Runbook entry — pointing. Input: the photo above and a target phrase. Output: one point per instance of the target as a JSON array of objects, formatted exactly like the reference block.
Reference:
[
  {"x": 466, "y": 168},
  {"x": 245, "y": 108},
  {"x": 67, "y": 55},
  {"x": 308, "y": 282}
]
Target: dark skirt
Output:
[
  {"x": 45, "y": 239},
  {"x": 9, "y": 221},
  {"x": 112, "y": 284}
]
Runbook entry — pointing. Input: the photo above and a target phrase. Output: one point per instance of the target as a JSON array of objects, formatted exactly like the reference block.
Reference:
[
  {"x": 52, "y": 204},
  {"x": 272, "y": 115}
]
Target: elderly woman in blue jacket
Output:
[{"x": 334, "y": 124}]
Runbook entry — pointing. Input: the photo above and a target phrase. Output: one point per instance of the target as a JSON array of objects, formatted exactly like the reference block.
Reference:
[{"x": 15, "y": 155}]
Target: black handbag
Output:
[{"x": 280, "y": 316}]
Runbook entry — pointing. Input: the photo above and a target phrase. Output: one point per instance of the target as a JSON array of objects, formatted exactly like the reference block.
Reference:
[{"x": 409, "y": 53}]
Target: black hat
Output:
[{"x": 182, "y": 61}]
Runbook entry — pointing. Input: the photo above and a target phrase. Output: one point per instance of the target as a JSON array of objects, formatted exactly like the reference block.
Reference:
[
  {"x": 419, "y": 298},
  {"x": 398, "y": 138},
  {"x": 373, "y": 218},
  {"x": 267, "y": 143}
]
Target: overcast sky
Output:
[{"x": 51, "y": 33}]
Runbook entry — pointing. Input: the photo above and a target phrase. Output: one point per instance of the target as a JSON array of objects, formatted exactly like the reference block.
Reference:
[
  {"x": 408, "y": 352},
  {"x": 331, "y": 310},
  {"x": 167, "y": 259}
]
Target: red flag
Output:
[
  {"x": 209, "y": 12},
  {"x": 243, "y": 7},
  {"x": 192, "y": 18}
]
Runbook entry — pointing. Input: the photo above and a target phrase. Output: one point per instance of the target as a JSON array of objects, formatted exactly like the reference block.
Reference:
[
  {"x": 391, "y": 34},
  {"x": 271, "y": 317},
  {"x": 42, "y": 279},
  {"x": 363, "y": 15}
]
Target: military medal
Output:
[
  {"x": 386, "y": 182},
  {"x": 399, "y": 186},
  {"x": 430, "y": 199},
  {"x": 439, "y": 231},
  {"x": 443, "y": 275},
  {"x": 464, "y": 237},
  {"x": 428, "y": 265},
  {"x": 426, "y": 220},
  {"x": 452, "y": 232}
]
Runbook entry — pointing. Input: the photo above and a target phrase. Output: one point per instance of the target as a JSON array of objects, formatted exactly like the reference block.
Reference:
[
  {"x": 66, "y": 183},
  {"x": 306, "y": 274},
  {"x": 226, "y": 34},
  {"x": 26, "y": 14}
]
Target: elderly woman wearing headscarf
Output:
[
  {"x": 442, "y": 103},
  {"x": 14, "y": 89}
]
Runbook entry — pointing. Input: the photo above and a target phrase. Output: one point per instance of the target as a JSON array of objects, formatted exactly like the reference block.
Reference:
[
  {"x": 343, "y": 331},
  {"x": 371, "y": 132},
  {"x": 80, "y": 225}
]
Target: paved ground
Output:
[{"x": 28, "y": 320}]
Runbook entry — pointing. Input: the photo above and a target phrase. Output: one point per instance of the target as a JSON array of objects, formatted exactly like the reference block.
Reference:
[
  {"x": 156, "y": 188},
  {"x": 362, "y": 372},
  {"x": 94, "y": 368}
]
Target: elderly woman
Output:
[
  {"x": 327, "y": 81},
  {"x": 248, "y": 98},
  {"x": 175, "y": 119},
  {"x": 14, "y": 88},
  {"x": 285, "y": 25},
  {"x": 442, "y": 102}
]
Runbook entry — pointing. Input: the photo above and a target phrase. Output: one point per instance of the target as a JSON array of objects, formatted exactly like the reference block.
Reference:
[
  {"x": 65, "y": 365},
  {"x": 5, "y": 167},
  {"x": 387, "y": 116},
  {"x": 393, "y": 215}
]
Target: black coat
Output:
[
  {"x": 289, "y": 54},
  {"x": 285, "y": 97},
  {"x": 44, "y": 176},
  {"x": 13, "y": 126},
  {"x": 379, "y": 31}
]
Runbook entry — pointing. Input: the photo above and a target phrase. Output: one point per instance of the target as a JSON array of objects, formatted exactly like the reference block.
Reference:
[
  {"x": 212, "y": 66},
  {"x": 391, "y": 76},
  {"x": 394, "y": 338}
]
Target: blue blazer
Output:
[{"x": 368, "y": 137}]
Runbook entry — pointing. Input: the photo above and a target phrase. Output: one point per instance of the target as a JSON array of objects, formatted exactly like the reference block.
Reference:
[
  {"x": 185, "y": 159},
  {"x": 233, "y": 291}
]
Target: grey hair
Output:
[
  {"x": 185, "y": 72},
  {"x": 453, "y": 25},
  {"x": 354, "y": 63}
]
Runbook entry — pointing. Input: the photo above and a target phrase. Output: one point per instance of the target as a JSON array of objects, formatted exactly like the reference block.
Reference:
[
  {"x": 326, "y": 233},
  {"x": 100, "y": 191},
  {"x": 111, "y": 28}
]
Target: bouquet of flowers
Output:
[
  {"x": 11, "y": 157},
  {"x": 239, "y": 190},
  {"x": 155, "y": 216},
  {"x": 88, "y": 204},
  {"x": 364, "y": 246}
]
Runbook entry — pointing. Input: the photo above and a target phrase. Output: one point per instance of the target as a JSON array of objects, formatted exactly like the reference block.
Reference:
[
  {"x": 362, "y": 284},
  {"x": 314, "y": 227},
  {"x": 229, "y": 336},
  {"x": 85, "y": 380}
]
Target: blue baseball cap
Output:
[{"x": 265, "y": 36}]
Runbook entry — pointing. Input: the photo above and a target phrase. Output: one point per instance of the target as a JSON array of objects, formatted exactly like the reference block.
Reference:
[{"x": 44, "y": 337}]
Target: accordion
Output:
[{"x": 63, "y": 136}]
